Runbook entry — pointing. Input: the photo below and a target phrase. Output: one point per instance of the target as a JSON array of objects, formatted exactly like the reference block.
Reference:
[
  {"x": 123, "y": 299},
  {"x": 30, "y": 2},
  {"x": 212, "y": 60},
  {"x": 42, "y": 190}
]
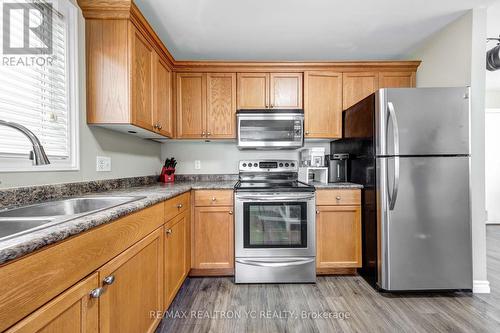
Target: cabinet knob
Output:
[
  {"x": 168, "y": 231},
  {"x": 155, "y": 126},
  {"x": 179, "y": 206},
  {"x": 214, "y": 199},
  {"x": 203, "y": 133},
  {"x": 338, "y": 197},
  {"x": 208, "y": 134},
  {"x": 317, "y": 211},
  {"x": 96, "y": 293},
  {"x": 307, "y": 132},
  {"x": 272, "y": 105},
  {"x": 230, "y": 212},
  {"x": 159, "y": 126},
  {"x": 109, "y": 279}
]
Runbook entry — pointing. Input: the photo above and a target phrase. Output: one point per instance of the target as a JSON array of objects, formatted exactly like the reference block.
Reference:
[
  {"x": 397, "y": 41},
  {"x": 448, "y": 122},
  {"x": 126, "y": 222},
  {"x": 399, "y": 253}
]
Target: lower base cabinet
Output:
[
  {"x": 74, "y": 311},
  {"x": 338, "y": 233},
  {"x": 177, "y": 262},
  {"x": 213, "y": 237},
  {"x": 132, "y": 288}
]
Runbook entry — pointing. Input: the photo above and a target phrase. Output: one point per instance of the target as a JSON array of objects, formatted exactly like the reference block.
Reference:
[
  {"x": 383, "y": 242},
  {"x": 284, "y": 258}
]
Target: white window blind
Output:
[{"x": 37, "y": 93}]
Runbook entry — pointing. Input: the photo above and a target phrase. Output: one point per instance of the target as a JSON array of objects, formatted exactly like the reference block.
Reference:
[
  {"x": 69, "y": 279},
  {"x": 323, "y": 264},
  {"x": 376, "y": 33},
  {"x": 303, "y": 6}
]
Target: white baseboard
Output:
[{"x": 481, "y": 287}]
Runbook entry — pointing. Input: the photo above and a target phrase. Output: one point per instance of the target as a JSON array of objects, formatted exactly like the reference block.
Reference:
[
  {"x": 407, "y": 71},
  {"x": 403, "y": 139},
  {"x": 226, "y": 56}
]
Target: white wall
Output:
[
  {"x": 130, "y": 156},
  {"x": 221, "y": 157},
  {"x": 492, "y": 165},
  {"x": 455, "y": 56}
]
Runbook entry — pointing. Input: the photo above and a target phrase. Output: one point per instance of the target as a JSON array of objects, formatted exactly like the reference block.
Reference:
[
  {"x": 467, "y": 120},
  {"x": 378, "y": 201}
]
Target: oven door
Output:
[
  {"x": 270, "y": 130},
  {"x": 275, "y": 225}
]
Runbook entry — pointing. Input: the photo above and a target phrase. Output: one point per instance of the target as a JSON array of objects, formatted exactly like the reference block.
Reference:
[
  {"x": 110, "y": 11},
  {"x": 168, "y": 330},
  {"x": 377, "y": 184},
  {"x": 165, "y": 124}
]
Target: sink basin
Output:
[{"x": 22, "y": 220}]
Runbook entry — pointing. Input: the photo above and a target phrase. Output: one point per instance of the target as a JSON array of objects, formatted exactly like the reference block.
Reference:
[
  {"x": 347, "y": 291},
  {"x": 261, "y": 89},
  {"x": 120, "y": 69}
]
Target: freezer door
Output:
[
  {"x": 430, "y": 121},
  {"x": 425, "y": 239}
]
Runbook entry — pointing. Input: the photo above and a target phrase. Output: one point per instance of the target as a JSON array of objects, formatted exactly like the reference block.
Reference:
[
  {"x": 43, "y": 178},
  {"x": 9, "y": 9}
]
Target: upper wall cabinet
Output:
[
  {"x": 357, "y": 86},
  {"x": 396, "y": 79},
  {"x": 128, "y": 72},
  {"x": 269, "y": 90},
  {"x": 323, "y": 104},
  {"x": 206, "y": 105}
]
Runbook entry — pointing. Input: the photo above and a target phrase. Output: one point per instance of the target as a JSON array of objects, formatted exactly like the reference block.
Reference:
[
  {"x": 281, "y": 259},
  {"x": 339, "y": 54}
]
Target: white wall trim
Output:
[
  {"x": 492, "y": 110},
  {"x": 481, "y": 287}
]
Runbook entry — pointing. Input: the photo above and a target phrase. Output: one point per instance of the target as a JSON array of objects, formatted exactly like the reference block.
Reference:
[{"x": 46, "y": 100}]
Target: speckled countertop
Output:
[{"x": 16, "y": 247}]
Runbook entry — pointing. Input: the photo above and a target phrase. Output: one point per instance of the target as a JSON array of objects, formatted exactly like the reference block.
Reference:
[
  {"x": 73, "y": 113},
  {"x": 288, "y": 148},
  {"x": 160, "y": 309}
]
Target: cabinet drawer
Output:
[
  {"x": 338, "y": 197},
  {"x": 176, "y": 205},
  {"x": 213, "y": 198}
]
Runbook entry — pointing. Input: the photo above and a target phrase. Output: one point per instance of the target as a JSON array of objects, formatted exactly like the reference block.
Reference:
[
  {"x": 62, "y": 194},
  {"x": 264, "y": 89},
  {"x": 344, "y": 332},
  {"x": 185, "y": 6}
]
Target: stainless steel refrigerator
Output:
[{"x": 410, "y": 149}]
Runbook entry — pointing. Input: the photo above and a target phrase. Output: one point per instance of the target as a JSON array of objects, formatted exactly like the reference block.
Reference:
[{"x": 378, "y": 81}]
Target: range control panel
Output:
[{"x": 268, "y": 166}]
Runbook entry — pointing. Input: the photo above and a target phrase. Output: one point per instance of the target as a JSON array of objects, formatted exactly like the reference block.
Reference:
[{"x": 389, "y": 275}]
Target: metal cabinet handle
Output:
[
  {"x": 338, "y": 197},
  {"x": 307, "y": 132},
  {"x": 208, "y": 134},
  {"x": 96, "y": 293},
  {"x": 179, "y": 206},
  {"x": 168, "y": 231},
  {"x": 230, "y": 212},
  {"x": 203, "y": 133},
  {"x": 109, "y": 280},
  {"x": 155, "y": 126},
  {"x": 160, "y": 126},
  {"x": 214, "y": 199},
  {"x": 317, "y": 211}
]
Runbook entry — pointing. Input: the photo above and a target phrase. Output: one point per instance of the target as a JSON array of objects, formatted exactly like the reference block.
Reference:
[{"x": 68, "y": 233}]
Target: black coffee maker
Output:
[{"x": 337, "y": 167}]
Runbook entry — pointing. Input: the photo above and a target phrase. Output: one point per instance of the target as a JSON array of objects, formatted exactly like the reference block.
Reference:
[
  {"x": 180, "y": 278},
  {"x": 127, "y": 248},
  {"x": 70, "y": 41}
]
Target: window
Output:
[{"x": 38, "y": 83}]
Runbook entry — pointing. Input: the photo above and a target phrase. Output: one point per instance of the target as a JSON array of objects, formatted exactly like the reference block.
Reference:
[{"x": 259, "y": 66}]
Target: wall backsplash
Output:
[{"x": 222, "y": 157}]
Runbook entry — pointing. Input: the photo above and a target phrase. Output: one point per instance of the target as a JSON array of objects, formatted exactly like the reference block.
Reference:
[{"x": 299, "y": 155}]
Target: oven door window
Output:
[{"x": 275, "y": 225}]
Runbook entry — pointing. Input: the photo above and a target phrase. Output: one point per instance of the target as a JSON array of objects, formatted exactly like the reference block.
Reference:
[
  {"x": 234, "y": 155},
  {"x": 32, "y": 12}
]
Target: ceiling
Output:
[{"x": 298, "y": 29}]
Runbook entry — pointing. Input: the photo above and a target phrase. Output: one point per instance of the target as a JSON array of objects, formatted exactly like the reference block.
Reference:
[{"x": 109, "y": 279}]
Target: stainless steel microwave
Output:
[{"x": 270, "y": 129}]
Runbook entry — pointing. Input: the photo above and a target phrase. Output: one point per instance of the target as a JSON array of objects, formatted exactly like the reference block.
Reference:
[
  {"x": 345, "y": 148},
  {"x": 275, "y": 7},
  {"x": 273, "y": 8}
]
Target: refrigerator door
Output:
[
  {"x": 425, "y": 239},
  {"x": 430, "y": 121}
]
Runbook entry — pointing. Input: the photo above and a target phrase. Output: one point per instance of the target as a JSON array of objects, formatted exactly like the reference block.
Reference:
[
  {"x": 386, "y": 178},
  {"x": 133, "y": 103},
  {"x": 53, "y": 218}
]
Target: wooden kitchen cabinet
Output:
[
  {"x": 323, "y": 104},
  {"x": 177, "y": 261},
  {"x": 269, "y": 90},
  {"x": 163, "y": 116},
  {"x": 72, "y": 311},
  {"x": 191, "y": 105},
  {"x": 213, "y": 234},
  {"x": 286, "y": 90},
  {"x": 221, "y": 106},
  {"x": 338, "y": 234},
  {"x": 133, "y": 287},
  {"x": 206, "y": 105},
  {"x": 128, "y": 87},
  {"x": 396, "y": 80},
  {"x": 357, "y": 86}
]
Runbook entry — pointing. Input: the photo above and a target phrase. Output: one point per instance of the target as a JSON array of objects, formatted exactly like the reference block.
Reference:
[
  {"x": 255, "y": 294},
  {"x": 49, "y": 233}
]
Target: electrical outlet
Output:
[
  {"x": 197, "y": 164},
  {"x": 103, "y": 163}
]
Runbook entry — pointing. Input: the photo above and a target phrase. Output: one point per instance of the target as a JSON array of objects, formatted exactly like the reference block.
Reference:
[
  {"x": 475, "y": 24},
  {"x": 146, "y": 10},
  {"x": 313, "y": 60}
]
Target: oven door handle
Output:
[
  {"x": 274, "y": 197},
  {"x": 284, "y": 263}
]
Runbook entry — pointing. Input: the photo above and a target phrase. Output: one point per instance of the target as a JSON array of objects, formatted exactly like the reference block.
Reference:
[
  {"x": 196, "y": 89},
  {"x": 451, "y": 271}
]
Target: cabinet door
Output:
[
  {"x": 131, "y": 301},
  {"x": 357, "y": 86},
  {"x": 74, "y": 311},
  {"x": 213, "y": 237},
  {"x": 162, "y": 106},
  {"x": 253, "y": 91},
  {"x": 221, "y": 105},
  {"x": 323, "y": 104},
  {"x": 286, "y": 90},
  {"x": 191, "y": 105},
  {"x": 142, "y": 81},
  {"x": 396, "y": 80},
  {"x": 176, "y": 253},
  {"x": 338, "y": 237}
]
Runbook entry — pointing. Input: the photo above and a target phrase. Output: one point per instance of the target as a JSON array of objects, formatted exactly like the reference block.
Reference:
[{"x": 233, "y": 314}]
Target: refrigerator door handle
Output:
[{"x": 395, "y": 187}]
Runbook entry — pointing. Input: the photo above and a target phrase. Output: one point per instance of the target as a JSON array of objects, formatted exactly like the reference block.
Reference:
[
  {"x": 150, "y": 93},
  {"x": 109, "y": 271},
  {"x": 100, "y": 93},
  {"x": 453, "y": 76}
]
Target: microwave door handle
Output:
[{"x": 395, "y": 187}]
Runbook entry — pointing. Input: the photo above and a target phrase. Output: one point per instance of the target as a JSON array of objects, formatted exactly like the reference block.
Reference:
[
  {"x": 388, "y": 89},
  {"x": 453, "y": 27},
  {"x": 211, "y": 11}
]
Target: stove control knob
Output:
[
  {"x": 287, "y": 165},
  {"x": 292, "y": 165},
  {"x": 244, "y": 165},
  {"x": 255, "y": 164},
  {"x": 281, "y": 165}
]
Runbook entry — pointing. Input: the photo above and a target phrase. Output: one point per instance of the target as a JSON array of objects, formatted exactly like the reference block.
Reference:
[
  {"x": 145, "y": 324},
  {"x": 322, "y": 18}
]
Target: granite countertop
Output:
[{"x": 14, "y": 248}]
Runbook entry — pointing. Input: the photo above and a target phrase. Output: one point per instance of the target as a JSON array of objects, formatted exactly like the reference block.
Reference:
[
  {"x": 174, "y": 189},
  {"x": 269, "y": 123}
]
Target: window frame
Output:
[{"x": 22, "y": 163}]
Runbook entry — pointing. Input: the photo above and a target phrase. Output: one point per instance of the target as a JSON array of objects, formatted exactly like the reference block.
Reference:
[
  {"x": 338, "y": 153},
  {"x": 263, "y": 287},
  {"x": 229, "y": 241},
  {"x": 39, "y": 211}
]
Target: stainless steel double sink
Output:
[{"x": 26, "y": 219}]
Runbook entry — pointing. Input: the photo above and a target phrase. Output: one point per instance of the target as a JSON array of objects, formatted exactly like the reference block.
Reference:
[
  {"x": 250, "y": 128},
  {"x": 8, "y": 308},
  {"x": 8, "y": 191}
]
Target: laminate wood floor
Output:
[{"x": 333, "y": 304}]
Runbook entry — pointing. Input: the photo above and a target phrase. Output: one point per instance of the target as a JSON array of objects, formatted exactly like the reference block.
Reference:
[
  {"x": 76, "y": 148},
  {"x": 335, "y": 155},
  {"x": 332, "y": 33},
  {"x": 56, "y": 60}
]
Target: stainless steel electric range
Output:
[{"x": 274, "y": 224}]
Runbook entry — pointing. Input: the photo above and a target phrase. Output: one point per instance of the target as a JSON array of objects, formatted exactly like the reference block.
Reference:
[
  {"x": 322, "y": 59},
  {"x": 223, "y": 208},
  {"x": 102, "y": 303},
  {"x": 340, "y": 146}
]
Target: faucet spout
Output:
[{"x": 38, "y": 153}]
